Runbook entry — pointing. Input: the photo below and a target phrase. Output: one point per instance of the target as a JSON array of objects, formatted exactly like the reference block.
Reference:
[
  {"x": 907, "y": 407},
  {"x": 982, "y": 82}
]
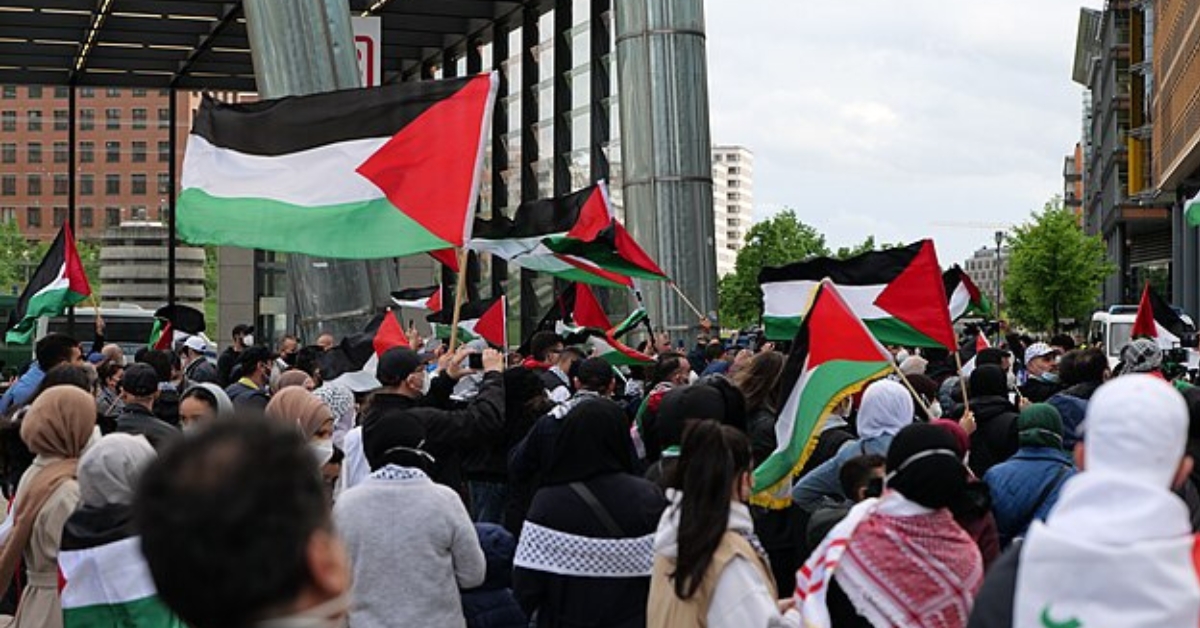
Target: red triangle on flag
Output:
[
  {"x": 446, "y": 257},
  {"x": 492, "y": 325},
  {"x": 389, "y": 334},
  {"x": 836, "y": 333},
  {"x": 594, "y": 216},
  {"x": 917, "y": 297},
  {"x": 981, "y": 342},
  {"x": 588, "y": 312},
  {"x": 434, "y": 304},
  {"x": 165, "y": 337},
  {"x": 428, "y": 168},
  {"x": 1144, "y": 326},
  {"x": 77, "y": 280},
  {"x": 629, "y": 250}
]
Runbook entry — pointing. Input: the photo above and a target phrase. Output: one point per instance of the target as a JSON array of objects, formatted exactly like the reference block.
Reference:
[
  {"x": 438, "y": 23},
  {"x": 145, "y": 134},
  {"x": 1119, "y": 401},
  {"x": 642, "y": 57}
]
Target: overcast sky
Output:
[{"x": 883, "y": 117}]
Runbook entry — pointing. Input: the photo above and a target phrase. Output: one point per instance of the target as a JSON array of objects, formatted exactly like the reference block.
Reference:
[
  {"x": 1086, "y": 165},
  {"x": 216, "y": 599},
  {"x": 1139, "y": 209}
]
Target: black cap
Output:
[
  {"x": 252, "y": 356},
  {"x": 140, "y": 380},
  {"x": 396, "y": 364},
  {"x": 242, "y": 329}
]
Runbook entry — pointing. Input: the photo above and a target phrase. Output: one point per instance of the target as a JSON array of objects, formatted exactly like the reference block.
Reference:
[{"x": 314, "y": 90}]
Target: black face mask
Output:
[{"x": 289, "y": 359}]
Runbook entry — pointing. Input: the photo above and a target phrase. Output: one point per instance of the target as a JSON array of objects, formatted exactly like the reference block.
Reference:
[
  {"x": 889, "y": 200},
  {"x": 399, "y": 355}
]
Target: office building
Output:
[
  {"x": 987, "y": 274},
  {"x": 733, "y": 202},
  {"x": 1177, "y": 137},
  {"x": 133, "y": 265}
]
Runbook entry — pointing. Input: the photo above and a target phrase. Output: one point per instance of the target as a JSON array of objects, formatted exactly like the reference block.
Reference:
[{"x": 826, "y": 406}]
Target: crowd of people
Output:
[{"x": 1032, "y": 488}]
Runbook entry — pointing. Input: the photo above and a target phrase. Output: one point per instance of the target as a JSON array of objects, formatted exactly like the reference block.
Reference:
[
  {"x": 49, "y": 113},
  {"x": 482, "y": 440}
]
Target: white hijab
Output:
[
  {"x": 110, "y": 468},
  {"x": 886, "y": 408}
]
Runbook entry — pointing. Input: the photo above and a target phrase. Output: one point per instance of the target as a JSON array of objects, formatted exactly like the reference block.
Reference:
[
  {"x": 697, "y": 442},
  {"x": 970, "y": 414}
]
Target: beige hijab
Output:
[
  {"x": 300, "y": 408},
  {"x": 294, "y": 377},
  {"x": 58, "y": 425}
]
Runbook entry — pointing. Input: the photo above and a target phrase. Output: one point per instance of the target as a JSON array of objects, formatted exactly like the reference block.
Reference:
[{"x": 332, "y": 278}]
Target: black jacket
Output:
[
  {"x": 995, "y": 437},
  {"x": 449, "y": 430},
  {"x": 995, "y": 602},
  {"x": 225, "y": 363},
  {"x": 1038, "y": 391},
  {"x": 570, "y": 601},
  {"x": 137, "y": 419}
]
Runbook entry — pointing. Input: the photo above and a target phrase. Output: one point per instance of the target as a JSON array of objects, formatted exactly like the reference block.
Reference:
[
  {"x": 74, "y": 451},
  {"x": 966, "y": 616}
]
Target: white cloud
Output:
[{"x": 884, "y": 118}]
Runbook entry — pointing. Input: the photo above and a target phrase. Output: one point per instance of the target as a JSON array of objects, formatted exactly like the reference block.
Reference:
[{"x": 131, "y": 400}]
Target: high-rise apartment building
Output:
[
  {"x": 122, "y": 157},
  {"x": 988, "y": 270},
  {"x": 733, "y": 202}
]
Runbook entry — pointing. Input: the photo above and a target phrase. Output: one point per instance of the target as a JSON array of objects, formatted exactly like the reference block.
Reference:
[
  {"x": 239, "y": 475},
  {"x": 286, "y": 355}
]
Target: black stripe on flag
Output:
[
  {"x": 297, "y": 123},
  {"x": 536, "y": 218},
  {"x": 868, "y": 269},
  {"x": 412, "y": 294},
  {"x": 470, "y": 310}
]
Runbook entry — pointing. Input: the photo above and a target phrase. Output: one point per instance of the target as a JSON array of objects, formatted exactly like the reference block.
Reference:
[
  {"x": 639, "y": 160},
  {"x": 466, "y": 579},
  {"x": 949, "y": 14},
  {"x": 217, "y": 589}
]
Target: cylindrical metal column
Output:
[
  {"x": 666, "y": 150},
  {"x": 305, "y": 47}
]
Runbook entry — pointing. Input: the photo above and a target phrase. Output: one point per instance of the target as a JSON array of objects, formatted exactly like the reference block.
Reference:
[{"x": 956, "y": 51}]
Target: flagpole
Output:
[
  {"x": 686, "y": 300},
  {"x": 962, "y": 382},
  {"x": 916, "y": 395},
  {"x": 459, "y": 292}
]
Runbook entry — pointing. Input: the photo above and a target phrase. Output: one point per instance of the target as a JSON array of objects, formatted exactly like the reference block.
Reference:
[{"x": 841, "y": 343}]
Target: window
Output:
[
  {"x": 8, "y": 121},
  {"x": 8, "y": 185},
  {"x": 112, "y": 184},
  {"x": 8, "y": 214},
  {"x": 139, "y": 92},
  {"x": 8, "y": 153},
  {"x": 164, "y": 118},
  {"x": 61, "y": 91},
  {"x": 87, "y": 119},
  {"x": 34, "y": 184},
  {"x": 113, "y": 92},
  {"x": 139, "y": 153},
  {"x": 112, "y": 119},
  {"x": 10, "y": 92},
  {"x": 60, "y": 216},
  {"x": 164, "y": 152},
  {"x": 112, "y": 216},
  {"x": 139, "y": 118},
  {"x": 35, "y": 152},
  {"x": 35, "y": 120},
  {"x": 33, "y": 216},
  {"x": 61, "y": 119},
  {"x": 112, "y": 152},
  {"x": 35, "y": 91},
  {"x": 87, "y": 92},
  {"x": 87, "y": 184},
  {"x": 164, "y": 183},
  {"x": 137, "y": 184},
  {"x": 87, "y": 152},
  {"x": 61, "y": 185},
  {"x": 87, "y": 217},
  {"x": 62, "y": 152}
]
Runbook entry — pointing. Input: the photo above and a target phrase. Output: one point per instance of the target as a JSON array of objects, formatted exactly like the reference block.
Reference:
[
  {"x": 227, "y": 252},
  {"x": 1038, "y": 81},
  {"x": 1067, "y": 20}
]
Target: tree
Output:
[
  {"x": 781, "y": 240},
  {"x": 1055, "y": 270}
]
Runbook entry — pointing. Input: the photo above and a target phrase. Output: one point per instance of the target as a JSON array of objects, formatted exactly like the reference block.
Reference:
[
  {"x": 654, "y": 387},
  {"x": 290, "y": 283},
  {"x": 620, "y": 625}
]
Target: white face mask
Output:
[
  {"x": 322, "y": 450},
  {"x": 248, "y": 339},
  {"x": 935, "y": 409},
  {"x": 189, "y": 429}
]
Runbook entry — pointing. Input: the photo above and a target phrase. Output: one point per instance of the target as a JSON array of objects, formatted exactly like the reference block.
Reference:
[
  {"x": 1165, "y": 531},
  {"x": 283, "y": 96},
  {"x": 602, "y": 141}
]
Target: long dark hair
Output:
[
  {"x": 712, "y": 456},
  {"x": 759, "y": 381}
]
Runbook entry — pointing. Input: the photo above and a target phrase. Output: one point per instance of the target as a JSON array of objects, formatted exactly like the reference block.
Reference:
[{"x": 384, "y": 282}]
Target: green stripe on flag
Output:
[
  {"x": 826, "y": 386},
  {"x": 147, "y": 612},
  {"x": 367, "y": 229},
  {"x": 48, "y": 303}
]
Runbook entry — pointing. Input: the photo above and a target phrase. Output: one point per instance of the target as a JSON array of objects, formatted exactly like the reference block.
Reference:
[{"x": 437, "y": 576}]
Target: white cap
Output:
[
  {"x": 196, "y": 343},
  {"x": 1136, "y": 426},
  {"x": 1037, "y": 350}
]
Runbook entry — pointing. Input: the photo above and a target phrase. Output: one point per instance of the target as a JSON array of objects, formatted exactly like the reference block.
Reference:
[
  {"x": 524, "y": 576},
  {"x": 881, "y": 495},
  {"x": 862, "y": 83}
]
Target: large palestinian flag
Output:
[
  {"x": 965, "y": 297},
  {"x": 1156, "y": 319},
  {"x": 430, "y": 298},
  {"x": 573, "y": 237},
  {"x": 58, "y": 283},
  {"x": 363, "y": 173},
  {"x": 353, "y": 363},
  {"x": 106, "y": 581},
  {"x": 486, "y": 320},
  {"x": 898, "y": 293},
  {"x": 833, "y": 356}
]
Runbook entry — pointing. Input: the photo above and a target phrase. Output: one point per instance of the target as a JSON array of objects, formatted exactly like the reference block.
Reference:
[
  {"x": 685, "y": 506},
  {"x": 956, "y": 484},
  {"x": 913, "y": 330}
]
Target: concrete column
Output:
[
  {"x": 666, "y": 150},
  {"x": 305, "y": 47}
]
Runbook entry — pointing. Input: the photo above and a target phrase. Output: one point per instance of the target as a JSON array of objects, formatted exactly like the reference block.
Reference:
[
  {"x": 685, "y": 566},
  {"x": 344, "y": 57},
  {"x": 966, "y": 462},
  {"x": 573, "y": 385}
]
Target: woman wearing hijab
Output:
[
  {"x": 900, "y": 560},
  {"x": 56, "y": 429},
  {"x": 587, "y": 546},
  {"x": 411, "y": 542},
  {"x": 995, "y": 437},
  {"x": 886, "y": 408},
  {"x": 202, "y": 403},
  {"x": 709, "y": 569},
  {"x": 294, "y": 377},
  {"x": 340, "y": 400},
  {"x": 107, "y": 581},
  {"x": 314, "y": 419},
  {"x": 1026, "y": 486}
]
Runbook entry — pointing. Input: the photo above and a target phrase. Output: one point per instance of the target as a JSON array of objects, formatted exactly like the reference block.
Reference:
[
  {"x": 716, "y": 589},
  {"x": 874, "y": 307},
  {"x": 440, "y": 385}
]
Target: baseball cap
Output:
[
  {"x": 1037, "y": 350},
  {"x": 196, "y": 343},
  {"x": 242, "y": 329},
  {"x": 140, "y": 380},
  {"x": 397, "y": 363}
]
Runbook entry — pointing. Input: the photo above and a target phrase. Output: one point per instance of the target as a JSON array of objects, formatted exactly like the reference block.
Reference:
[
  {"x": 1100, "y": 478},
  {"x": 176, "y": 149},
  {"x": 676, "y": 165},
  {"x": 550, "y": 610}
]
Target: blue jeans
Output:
[{"x": 487, "y": 501}]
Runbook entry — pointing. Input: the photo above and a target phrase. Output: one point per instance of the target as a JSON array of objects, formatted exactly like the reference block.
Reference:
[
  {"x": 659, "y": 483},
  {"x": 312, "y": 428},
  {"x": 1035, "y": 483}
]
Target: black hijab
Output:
[
  {"x": 923, "y": 465},
  {"x": 594, "y": 441},
  {"x": 988, "y": 380}
]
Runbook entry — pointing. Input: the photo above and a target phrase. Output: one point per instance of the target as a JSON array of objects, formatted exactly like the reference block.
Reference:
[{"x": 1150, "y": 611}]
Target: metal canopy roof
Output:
[{"x": 200, "y": 44}]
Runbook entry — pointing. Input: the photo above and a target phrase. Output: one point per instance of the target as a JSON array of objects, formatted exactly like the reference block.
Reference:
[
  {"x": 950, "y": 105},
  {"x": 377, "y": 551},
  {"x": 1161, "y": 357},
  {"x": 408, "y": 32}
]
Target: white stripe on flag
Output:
[
  {"x": 115, "y": 573},
  {"x": 790, "y": 299},
  {"x": 960, "y": 300}
]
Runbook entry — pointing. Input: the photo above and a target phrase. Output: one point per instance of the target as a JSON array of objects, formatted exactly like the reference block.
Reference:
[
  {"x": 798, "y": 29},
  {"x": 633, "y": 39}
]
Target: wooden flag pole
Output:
[
  {"x": 459, "y": 292},
  {"x": 916, "y": 395},
  {"x": 686, "y": 300},
  {"x": 962, "y": 382}
]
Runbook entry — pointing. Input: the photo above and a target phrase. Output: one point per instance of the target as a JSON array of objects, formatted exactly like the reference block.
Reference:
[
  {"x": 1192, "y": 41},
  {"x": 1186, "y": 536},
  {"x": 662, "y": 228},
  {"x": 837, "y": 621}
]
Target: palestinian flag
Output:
[
  {"x": 161, "y": 335},
  {"x": 486, "y": 320},
  {"x": 1156, "y": 319},
  {"x": 573, "y": 237},
  {"x": 898, "y": 293},
  {"x": 353, "y": 363},
  {"x": 602, "y": 344},
  {"x": 833, "y": 356},
  {"x": 362, "y": 173},
  {"x": 965, "y": 297},
  {"x": 635, "y": 318},
  {"x": 106, "y": 581},
  {"x": 429, "y": 298},
  {"x": 58, "y": 283},
  {"x": 981, "y": 343}
]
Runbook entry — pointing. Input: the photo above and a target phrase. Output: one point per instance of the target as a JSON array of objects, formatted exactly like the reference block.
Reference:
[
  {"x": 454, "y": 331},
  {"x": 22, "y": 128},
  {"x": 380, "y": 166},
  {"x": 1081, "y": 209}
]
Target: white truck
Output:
[{"x": 1114, "y": 328}]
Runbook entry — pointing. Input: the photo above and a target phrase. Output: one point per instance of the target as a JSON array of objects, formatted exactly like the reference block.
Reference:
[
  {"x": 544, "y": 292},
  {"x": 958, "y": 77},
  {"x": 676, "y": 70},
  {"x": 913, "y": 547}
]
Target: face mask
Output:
[
  {"x": 248, "y": 339},
  {"x": 935, "y": 409},
  {"x": 1049, "y": 377},
  {"x": 329, "y": 614},
  {"x": 322, "y": 450},
  {"x": 189, "y": 429},
  {"x": 692, "y": 377},
  {"x": 289, "y": 359}
]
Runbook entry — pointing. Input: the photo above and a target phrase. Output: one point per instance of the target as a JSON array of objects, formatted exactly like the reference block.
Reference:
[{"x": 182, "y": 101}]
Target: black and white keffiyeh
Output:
[{"x": 553, "y": 551}]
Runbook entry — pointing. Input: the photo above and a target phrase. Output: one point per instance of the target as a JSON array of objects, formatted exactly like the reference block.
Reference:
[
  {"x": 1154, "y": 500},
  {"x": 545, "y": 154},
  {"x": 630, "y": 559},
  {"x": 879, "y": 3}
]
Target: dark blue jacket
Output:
[
  {"x": 1018, "y": 483},
  {"x": 491, "y": 604},
  {"x": 1072, "y": 405}
]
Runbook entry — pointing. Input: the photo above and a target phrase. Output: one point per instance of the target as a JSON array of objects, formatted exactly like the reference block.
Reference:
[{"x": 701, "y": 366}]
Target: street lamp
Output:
[{"x": 999, "y": 280}]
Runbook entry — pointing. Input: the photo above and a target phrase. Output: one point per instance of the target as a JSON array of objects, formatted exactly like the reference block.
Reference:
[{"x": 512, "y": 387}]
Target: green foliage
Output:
[
  {"x": 1055, "y": 270},
  {"x": 210, "y": 288}
]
